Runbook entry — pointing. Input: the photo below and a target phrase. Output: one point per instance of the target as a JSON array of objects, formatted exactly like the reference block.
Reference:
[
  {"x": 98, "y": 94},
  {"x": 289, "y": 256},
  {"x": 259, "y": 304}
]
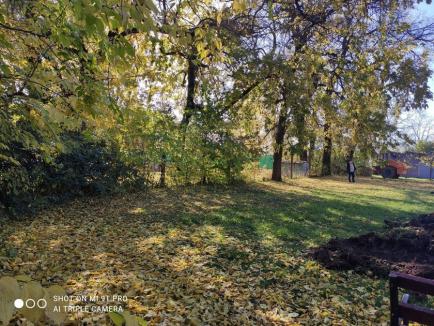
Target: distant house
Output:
[{"x": 408, "y": 164}]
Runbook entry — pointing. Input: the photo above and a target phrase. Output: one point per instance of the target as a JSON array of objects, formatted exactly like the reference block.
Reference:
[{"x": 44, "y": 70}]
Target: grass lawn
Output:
[{"x": 216, "y": 255}]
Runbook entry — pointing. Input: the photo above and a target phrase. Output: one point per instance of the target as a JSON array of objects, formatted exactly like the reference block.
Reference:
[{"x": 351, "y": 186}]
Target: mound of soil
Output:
[{"x": 405, "y": 247}]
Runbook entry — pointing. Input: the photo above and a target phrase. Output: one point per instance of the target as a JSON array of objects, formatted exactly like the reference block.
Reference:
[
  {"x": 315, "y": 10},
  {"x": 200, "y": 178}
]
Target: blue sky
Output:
[{"x": 426, "y": 12}]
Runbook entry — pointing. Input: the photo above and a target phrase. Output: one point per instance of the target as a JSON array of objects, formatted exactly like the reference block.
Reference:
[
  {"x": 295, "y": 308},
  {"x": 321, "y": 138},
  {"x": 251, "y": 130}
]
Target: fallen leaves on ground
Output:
[{"x": 178, "y": 272}]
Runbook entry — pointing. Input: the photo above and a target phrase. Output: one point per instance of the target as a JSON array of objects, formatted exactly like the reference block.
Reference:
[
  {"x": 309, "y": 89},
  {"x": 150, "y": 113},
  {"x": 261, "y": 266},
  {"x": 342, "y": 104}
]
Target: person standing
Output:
[{"x": 351, "y": 169}]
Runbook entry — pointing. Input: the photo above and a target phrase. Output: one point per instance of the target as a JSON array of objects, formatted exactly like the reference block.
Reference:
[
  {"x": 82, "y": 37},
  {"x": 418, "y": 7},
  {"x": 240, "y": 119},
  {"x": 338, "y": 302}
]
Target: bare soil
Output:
[{"x": 406, "y": 247}]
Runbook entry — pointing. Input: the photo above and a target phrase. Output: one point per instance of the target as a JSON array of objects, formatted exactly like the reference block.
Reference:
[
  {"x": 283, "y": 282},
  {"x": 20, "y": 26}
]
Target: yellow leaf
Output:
[
  {"x": 57, "y": 316},
  {"x": 32, "y": 293},
  {"x": 9, "y": 292},
  {"x": 219, "y": 18},
  {"x": 23, "y": 278},
  {"x": 239, "y": 6},
  {"x": 218, "y": 44}
]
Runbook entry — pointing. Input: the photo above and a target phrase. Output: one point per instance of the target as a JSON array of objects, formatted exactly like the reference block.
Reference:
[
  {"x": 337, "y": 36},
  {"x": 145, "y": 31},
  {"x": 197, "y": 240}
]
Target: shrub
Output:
[
  {"x": 87, "y": 167},
  {"x": 364, "y": 171}
]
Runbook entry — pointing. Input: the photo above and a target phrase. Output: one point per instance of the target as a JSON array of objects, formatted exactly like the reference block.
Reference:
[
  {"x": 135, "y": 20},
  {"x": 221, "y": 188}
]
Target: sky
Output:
[{"x": 426, "y": 12}]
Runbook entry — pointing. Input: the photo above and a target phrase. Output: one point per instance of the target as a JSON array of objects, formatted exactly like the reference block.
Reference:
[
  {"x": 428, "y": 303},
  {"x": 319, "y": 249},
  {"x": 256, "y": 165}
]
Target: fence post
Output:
[
  {"x": 394, "y": 317},
  {"x": 292, "y": 164}
]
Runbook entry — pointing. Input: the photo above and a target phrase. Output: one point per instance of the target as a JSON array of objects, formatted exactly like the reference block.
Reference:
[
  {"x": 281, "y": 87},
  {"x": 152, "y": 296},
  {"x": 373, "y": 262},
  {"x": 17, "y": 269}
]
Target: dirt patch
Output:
[{"x": 405, "y": 247}]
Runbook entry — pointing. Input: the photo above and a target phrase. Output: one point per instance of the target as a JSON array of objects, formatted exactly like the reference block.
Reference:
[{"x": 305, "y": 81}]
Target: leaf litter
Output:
[{"x": 178, "y": 272}]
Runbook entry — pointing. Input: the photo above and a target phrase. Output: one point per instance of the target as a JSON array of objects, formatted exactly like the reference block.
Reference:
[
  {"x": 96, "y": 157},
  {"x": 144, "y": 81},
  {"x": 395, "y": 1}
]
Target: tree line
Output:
[{"x": 197, "y": 89}]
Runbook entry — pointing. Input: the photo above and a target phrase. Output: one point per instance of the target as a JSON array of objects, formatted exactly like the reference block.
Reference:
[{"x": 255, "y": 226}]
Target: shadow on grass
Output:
[{"x": 256, "y": 212}]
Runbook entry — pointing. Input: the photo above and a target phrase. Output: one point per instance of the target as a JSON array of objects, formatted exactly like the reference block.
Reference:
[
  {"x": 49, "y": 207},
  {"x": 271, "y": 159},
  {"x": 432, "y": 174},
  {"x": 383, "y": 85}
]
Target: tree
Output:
[
  {"x": 54, "y": 64},
  {"x": 190, "y": 85},
  {"x": 292, "y": 69},
  {"x": 366, "y": 76},
  {"x": 418, "y": 126}
]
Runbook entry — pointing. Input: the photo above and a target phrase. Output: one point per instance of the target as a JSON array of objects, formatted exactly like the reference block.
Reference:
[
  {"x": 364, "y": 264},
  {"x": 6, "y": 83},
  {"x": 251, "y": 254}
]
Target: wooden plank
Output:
[
  {"x": 414, "y": 283},
  {"x": 394, "y": 317},
  {"x": 415, "y": 313}
]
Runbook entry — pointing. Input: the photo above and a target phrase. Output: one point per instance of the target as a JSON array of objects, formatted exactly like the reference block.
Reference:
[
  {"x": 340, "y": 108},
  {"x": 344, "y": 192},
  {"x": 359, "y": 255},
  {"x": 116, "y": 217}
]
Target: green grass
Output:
[
  {"x": 308, "y": 212},
  {"x": 216, "y": 255}
]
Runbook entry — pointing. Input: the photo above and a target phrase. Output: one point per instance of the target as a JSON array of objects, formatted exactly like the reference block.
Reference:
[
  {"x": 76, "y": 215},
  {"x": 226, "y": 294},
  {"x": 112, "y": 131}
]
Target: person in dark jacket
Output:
[{"x": 351, "y": 169}]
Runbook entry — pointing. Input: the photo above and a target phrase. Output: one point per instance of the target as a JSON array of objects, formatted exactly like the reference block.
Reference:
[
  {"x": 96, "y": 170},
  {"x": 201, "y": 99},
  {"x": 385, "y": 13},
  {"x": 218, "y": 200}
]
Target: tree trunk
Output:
[
  {"x": 191, "y": 87},
  {"x": 350, "y": 154},
  {"x": 430, "y": 170},
  {"x": 277, "y": 165},
  {"x": 163, "y": 171},
  {"x": 327, "y": 152},
  {"x": 310, "y": 156},
  {"x": 278, "y": 147}
]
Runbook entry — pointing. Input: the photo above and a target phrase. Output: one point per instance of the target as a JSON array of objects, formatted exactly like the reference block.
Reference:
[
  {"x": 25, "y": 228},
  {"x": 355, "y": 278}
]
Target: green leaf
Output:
[
  {"x": 129, "y": 49},
  {"x": 64, "y": 40},
  {"x": 9, "y": 159},
  {"x": 12, "y": 252},
  {"x": 116, "y": 318},
  {"x": 94, "y": 24},
  {"x": 141, "y": 321},
  {"x": 114, "y": 22},
  {"x": 130, "y": 320},
  {"x": 4, "y": 42},
  {"x": 150, "y": 4},
  {"x": 23, "y": 278}
]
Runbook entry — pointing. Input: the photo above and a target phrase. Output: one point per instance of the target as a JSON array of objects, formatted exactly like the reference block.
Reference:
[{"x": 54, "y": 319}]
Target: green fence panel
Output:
[{"x": 266, "y": 162}]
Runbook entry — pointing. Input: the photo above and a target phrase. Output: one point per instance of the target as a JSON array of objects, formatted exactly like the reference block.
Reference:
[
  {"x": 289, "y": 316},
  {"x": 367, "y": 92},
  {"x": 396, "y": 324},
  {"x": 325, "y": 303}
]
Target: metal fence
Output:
[{"x": 299, "y": 169}]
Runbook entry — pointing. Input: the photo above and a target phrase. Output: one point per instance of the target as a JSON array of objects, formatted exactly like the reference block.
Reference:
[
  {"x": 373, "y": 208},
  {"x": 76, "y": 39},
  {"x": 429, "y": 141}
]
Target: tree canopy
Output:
[{"x": 196, "y": 89}]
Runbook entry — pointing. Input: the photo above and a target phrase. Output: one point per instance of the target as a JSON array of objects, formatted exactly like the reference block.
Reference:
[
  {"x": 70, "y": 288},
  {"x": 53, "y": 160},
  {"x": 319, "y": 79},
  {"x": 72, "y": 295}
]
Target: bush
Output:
[
  {"x": 18, "y": 181},
  {"x": 364, "y": 171},
  {"x": 213, "y": 158},
  {"x": 339, "y": 166},
  {"x": 87, "y": 167}
]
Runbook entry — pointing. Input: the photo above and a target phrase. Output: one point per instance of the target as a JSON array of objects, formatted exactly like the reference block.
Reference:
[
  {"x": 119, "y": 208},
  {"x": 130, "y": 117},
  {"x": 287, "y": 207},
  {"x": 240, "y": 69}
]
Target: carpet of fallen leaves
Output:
[{"x": 181, "y": 271}]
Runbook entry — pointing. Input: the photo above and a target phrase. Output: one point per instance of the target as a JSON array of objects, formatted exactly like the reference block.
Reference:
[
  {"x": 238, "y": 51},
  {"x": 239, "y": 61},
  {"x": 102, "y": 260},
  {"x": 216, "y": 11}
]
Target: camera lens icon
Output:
[{"x": 30, "y": 303}]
